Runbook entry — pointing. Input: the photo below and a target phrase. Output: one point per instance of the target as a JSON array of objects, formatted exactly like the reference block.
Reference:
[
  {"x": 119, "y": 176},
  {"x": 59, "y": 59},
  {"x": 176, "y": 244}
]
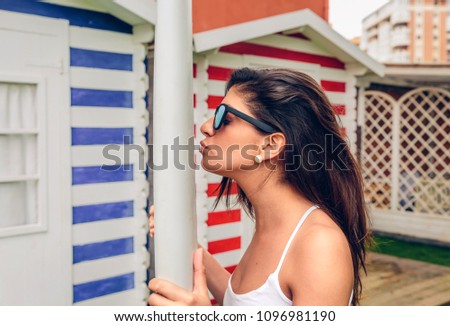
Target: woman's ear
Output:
[{"x": 273, "y": 145}]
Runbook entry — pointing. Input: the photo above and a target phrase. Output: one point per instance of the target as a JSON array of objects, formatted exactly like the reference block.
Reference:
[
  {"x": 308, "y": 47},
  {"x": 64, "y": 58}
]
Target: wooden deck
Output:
[{"x": 393, "y": 281}]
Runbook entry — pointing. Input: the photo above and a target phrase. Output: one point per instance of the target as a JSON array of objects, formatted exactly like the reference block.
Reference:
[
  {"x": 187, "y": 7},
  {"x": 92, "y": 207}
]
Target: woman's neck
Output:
[{"x": 276, "y": 204}]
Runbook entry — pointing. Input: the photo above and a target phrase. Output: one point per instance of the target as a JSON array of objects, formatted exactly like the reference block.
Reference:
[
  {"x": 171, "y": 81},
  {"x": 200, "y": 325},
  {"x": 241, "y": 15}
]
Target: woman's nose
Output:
[{"x": 207, "y": 128}]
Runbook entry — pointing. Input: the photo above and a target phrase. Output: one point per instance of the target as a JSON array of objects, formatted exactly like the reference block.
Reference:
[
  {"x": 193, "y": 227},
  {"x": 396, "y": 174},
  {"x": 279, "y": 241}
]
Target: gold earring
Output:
[{"x": 258, "y": 159}]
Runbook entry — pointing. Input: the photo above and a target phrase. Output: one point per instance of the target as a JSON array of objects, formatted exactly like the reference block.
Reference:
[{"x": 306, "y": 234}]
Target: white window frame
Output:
[{"x": 41, "y": 150}]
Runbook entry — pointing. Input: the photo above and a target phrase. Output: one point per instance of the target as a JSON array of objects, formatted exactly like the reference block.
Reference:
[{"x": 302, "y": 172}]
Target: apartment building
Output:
[{"x": 408, "y": 31}]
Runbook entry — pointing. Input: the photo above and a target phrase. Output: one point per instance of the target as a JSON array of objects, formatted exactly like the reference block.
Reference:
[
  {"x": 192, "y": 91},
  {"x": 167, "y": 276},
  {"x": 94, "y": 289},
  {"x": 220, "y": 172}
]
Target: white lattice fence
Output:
[
  {"x": 377, "y": 149},
  {"x": 405, "y": 160},
  {"x": 425, "y": 151}
]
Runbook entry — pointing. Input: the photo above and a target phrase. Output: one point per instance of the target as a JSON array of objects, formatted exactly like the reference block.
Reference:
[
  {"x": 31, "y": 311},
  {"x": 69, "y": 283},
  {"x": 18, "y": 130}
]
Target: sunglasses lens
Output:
[{"x": 220, "y": 112}]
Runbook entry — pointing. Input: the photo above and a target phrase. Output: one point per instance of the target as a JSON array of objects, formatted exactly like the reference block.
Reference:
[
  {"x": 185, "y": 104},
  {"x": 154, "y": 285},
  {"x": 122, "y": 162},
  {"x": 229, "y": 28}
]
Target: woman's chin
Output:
[
  {"x": 212, "y": 168},
  {"x": 215, "y": 168}
]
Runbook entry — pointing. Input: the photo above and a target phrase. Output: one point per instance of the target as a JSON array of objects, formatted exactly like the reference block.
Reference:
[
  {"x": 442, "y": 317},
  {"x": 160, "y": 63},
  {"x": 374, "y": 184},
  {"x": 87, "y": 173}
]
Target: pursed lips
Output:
[{"x": 202, "y": 146}]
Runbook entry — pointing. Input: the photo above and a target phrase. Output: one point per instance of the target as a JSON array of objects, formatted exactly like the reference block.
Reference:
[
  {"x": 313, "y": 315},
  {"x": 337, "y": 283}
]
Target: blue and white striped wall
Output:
[{"x": 108, "y": 83}]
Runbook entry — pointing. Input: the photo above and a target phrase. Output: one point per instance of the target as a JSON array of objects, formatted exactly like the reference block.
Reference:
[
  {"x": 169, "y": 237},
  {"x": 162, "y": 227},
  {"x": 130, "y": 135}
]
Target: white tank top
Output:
[{"x": 270, "y": 293}]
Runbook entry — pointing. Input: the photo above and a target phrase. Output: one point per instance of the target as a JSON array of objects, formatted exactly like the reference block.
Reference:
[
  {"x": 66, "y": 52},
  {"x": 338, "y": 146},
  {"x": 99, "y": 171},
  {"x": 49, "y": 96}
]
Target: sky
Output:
[{"x": 345, "y": 16}]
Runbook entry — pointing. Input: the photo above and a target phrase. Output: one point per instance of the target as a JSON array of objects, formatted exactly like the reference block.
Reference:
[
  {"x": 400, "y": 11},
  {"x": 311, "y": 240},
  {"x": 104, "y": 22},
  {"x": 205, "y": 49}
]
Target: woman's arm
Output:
[{"x": 216, "y": 276}]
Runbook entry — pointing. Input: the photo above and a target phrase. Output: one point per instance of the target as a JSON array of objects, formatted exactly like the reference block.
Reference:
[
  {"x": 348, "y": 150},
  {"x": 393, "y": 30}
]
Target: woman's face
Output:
[{"x": 231, "y": 149}]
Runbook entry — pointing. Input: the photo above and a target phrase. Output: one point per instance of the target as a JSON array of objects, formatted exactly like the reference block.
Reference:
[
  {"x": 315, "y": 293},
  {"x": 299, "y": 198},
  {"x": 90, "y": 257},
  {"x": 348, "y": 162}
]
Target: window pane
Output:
[
  {"x": 18, "y": 155},
  {"x": 17, "y": 106},
  {"x": 18, "y": 202}
]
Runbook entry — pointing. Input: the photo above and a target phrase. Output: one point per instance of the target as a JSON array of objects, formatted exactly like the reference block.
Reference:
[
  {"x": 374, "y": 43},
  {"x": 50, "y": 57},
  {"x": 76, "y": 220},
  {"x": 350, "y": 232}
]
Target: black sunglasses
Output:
[{"x": 221, "y": 112}]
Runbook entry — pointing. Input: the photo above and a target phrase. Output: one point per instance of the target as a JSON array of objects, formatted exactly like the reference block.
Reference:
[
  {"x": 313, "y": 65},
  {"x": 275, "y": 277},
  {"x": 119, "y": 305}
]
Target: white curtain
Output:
[{"x": 18, "y": 155}]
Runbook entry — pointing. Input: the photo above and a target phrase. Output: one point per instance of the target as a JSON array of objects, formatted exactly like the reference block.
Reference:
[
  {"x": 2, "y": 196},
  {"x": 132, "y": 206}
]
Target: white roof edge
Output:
[
  {"x": 418, "y": 70},
  {"x": 145, "y": 9},
  {"x": 133, "y": 12},
  {"x": 216, "y": 38}
]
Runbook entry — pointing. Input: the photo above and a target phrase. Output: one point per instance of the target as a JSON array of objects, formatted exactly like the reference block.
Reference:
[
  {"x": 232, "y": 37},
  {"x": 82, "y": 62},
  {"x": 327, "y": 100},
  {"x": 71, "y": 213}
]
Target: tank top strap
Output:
[{"x": 299, "y": 224}]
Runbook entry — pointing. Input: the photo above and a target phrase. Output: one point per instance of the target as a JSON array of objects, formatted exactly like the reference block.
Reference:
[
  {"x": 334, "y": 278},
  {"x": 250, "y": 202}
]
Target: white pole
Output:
[{"x": 173, "y": 118}]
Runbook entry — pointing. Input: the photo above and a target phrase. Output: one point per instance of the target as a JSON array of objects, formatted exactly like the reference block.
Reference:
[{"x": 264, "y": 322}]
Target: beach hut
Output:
[
  {"x": 74, "y": 121},
  {"x": 73, "y": 79}
]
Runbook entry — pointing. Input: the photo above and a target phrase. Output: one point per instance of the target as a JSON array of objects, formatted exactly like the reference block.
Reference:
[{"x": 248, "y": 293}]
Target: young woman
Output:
[{"x": 276, "y": 135}]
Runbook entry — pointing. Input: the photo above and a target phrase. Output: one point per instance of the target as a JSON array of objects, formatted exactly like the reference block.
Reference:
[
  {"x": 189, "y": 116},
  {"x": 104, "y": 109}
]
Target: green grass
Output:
[{"x": 412, "y": 250}]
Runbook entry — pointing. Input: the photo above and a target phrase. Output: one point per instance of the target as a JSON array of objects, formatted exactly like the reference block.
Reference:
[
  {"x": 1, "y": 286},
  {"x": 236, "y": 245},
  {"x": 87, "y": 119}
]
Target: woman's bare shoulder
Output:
[
  {"x": 320, "y": 262},
  {"x": 322, "y": 242},
  {"x": 319, "y": 232}
]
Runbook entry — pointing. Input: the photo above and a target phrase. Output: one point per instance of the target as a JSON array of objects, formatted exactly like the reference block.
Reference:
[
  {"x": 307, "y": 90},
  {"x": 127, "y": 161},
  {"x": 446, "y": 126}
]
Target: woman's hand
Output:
[
  {"x": 151, "y": 221},
  {"x": 169, "y": 294}
]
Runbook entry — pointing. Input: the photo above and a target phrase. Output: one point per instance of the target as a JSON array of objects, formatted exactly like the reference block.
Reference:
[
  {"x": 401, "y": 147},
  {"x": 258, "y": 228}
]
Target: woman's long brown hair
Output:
[{"x": 328, "y": 175}]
